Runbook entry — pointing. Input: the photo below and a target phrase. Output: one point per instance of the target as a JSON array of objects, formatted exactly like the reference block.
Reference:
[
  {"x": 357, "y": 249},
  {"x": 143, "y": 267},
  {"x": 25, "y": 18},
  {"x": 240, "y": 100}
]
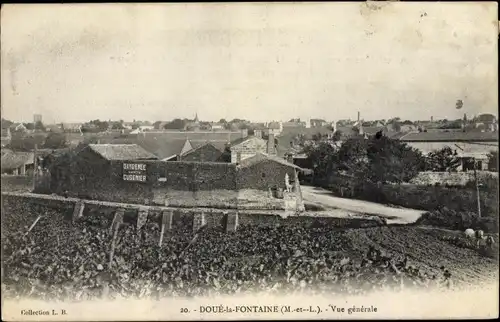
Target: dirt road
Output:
[{"x": 327, "y": 200}]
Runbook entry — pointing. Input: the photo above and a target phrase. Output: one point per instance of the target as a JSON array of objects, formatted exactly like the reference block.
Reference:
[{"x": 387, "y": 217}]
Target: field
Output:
[{"x": 64, "y": 259}]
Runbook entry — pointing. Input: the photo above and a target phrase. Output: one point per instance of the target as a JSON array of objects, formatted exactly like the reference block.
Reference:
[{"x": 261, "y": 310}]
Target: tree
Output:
[
  {"x": 6, "y": 123},
  {"x": 457, "y": 124},
  {"x": 493, "y": 161},
  {"x": 176, "y": 124},
  {"x": 155, "y": 124},
  {"x": 226, "y": 155},
  {"x": 29, "y": 126},
  {"x": 222, "y": 121},
  {"x": 39, "y": 126},
  {"x": 323, "y": 159},
  {"x": 359, "y": 161},
  {"x": 56, "y": 141},
  {"x": 117, "y": 126},
  {"x": 337, "y": 135},
  {"x": 100, "y": 125},
  {"x": 392, "y": 161},
  {"x": 352, "y": 157},
  {"x": 317, "y": 137},
  {"x": 443, "y": 160}
]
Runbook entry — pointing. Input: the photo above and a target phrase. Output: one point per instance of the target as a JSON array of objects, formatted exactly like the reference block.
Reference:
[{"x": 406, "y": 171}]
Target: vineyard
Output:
[{"x": 62, "y": 259}]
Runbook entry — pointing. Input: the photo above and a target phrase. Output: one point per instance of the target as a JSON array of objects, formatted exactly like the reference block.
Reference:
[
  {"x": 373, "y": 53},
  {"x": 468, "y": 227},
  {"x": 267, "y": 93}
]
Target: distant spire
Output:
[{"x": 196, "y": 117}]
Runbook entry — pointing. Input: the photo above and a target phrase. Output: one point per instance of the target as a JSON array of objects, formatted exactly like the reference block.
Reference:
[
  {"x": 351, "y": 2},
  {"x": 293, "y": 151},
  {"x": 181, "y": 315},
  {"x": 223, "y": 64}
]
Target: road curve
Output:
[{"x": 327, "y": 200}]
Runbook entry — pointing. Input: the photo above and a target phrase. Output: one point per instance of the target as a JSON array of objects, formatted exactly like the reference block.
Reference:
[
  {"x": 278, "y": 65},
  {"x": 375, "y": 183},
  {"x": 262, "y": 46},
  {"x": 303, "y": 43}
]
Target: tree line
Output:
[{"x": 376, "y": 160}]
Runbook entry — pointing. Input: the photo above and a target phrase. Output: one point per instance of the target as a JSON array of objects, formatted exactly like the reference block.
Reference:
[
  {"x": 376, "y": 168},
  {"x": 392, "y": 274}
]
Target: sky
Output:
[{"x": 262, "y": 62}]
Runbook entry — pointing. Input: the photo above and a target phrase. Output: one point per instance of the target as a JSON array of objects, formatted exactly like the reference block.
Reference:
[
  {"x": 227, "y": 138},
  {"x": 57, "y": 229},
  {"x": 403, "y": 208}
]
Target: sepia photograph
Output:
[{"x": 249, "y": 161}]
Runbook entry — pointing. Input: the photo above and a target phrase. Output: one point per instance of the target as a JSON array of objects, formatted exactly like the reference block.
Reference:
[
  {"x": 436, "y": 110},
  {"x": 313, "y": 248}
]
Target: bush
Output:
[
  {"x": 451, "y": 219},
  {"x": 430, "y": 198}
]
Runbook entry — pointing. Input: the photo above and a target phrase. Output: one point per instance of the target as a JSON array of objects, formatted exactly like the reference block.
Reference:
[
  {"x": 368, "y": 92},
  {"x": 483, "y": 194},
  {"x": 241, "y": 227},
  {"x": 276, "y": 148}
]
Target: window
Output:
[{"x": 263, "y": 175}]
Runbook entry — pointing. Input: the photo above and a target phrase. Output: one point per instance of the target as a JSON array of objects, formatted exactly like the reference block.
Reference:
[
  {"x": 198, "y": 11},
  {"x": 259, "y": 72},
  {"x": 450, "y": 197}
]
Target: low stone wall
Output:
[
  {"x": 174, "y": 219},
  {"x": 224, "y": 199},
  {"x": 451, "y": 178}
]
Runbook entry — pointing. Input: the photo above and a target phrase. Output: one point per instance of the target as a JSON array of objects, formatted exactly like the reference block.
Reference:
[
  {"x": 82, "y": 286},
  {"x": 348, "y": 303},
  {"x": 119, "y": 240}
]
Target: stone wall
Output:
[
  {"x": 450, "y": 178},
  {"x": 264, "y": 175},
  {"x": 178, "y": 183},
  {"x": 248, "y": 149}
]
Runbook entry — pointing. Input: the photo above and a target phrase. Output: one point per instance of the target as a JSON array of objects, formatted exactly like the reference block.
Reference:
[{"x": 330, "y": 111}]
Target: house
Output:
[
  {"x": 165, "y": 149},
  {"x": 53, "y": 128},
  {"x": 17, "y": 163},
  {"x": 274, "y": 128},
  {"x": 144, "y": 128},
  {"x": 6, "y": 137},
  {"x": 116, "y": 152},
  {"x": 294, "y": 123},
  {"x": 250, "y": 146},
  {"x": 264, "y": 172},
  {"x": 468, "y": 145},
  {"x": 203, "y": 153},
  {"x": 217, "y": 126},
  {"x": 318, "y": 122},
  {"x": 90, "y": 170},
  {"x": 72, "y": 127},
  {"x": 18, "y": 127},
  {"x": 171, "y": 144},
  {"x": 486, "y": 122}
]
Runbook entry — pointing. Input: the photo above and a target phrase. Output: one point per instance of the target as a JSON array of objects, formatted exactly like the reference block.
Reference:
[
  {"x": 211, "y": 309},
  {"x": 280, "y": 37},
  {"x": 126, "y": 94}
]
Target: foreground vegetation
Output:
[{"x": 65, "y": 260}]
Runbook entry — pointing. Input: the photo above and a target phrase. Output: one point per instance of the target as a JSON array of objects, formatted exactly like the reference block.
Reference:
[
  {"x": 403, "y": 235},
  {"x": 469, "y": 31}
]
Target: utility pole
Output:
[{"x": 477, "y": 189}]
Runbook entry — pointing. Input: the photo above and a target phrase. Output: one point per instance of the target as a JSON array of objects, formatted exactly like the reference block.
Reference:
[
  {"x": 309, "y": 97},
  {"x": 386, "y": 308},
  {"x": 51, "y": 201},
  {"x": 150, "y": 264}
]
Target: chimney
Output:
[
  {"x": 258, "y": 133},
  {"x": 432, "y": 119},
  {"x": 359, "y": 115},
  {"x": 270, "y": 144},
  {"x": 244, "y": 133}
]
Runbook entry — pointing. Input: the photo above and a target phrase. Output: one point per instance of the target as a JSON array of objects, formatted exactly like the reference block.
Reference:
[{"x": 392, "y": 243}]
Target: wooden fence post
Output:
[
  {"x": 232, "y": 221},
  {"x": 78, "y": 210},
  {"x": 166, "y": 223},
  {"x": 142, "y": 217},
  {"x": 115, "y": 225}
]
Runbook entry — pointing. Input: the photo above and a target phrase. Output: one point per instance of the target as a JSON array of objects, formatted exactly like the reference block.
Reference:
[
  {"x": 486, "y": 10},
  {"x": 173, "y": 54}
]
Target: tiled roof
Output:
[
  {"x": 196, "y": 135},
  {"x": 122, "y": 152},
  {"x": 13, "y": 160},
  {"x": 260, "y": 157},
  {"x": 450, "y": 136},
  {"x": 162, "y": 149},
  {"x": 165, "y": 144},
  {"x": 219, "y": 144},
  {"x": 372, "y": 129},
  {"x": 241, "y": 140}
]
